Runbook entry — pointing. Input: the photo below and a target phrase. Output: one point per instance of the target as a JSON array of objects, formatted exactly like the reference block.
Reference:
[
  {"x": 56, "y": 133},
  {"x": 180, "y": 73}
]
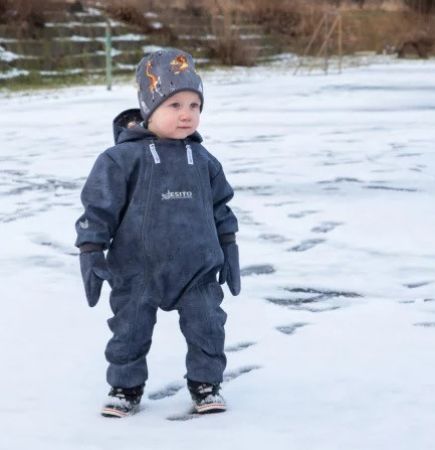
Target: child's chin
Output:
[{"x": 182, "y": 134}]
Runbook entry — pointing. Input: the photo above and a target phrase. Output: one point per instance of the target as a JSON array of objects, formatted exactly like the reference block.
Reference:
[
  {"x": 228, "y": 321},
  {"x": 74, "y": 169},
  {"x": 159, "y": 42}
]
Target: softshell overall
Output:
[{"x": 159, "y": 207}]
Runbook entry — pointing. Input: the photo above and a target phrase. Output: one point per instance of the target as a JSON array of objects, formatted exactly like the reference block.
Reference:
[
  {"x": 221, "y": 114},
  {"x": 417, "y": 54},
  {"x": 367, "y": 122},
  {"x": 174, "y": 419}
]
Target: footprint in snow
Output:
[
  {"x": 239, "y": 347},
  {"x": 290, "y": 329},
  {"x": 259, "y": 190},
  {"x": 275, "y": 238},
  {"x": 236, "y": 373},
  {"x": 425, "y": 324},
  {"x": 301, "y": 214},
  {"x": 407, "y": 155},
  {"x": 390, "y": 188},
  {"x": 261, "y": 269},
  {"x": 190, "y": 413},
  {"x": 173, "y": 388},
  {"x": 46, "y": 241},
  {"x": 245, "y": 170},
  {"x": 325, "y": 227},
  {"x": 417, "y": 284},
  {"x": 313, "y": 300},
  {"x": 340, "y": 180},
  {"x": 245, "y": 217},
  {"x": 305, "y": 245},
  {"x": 283, "y": 203},
  {"x": 168, "y": 391}
]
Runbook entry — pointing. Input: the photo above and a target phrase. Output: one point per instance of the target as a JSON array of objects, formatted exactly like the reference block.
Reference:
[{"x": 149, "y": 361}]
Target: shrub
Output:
[
  {"x": 422, "y": 6},
  {"x": 228, "y": 47},
  {"x": 28, "y": 14}
]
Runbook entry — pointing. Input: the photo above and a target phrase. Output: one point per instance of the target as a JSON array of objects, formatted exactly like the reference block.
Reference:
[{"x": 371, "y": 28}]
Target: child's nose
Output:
[{"x": 186, "y": 115}]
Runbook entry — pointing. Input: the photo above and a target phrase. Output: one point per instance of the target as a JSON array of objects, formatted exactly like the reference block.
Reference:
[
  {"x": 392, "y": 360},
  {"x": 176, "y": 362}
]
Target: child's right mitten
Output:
[{"x": 94, "y": 271}]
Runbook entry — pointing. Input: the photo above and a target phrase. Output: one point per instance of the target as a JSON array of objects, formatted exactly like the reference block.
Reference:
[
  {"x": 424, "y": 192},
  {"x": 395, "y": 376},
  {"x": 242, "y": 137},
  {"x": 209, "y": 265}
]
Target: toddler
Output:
[{"x": 157, "y": 202}]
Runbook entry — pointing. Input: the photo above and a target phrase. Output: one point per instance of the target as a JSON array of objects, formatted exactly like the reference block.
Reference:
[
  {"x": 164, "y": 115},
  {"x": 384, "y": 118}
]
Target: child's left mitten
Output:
[
  {"x": 230, "y": 272},
  {"x": 94, "y": 271}
]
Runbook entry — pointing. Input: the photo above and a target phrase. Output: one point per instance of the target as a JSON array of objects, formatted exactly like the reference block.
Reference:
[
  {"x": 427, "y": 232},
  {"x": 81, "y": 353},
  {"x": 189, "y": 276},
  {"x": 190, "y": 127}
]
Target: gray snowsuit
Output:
[{"x": 160, "y": 208}]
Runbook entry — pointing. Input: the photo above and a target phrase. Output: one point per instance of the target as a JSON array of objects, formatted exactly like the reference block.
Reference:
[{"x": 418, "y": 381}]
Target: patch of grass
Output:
[{"x": 34, "y": 81}]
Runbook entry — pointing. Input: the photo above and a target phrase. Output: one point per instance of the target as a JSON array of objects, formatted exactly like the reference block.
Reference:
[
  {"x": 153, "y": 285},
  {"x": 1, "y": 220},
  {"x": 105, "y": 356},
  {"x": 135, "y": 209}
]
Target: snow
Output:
[
  {"x": 12, "y": 73},
  {"x": 156, "y": 25},
  {"x": 150, "y": 48},
  {"x": 4, "y": 40},
  {"x": 331, "y": 344},
  {"x": 74, "y": 38},
  {"x": 130, "y": 37},
  {"x": 151, "y": 15},
  {"x": 6, "y": 55},
  {"x": 75, "y": 24},
  {"x": 204, "y": 37},
  {"x": 90, "y": 12}
]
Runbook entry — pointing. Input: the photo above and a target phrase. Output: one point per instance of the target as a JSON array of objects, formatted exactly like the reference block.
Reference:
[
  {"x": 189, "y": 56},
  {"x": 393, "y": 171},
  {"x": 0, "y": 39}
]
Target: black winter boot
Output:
[
  {"x": 206, "y": 397},
  {"x": 122, "y": 402}
]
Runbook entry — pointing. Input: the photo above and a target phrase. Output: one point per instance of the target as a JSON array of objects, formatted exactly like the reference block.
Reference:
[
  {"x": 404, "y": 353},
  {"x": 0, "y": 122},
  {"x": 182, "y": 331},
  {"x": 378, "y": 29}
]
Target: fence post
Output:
[
  {"x": 326, "y": 42},
  {"x": 340, "y": 42},
  {"x": 108, "y": 56}
]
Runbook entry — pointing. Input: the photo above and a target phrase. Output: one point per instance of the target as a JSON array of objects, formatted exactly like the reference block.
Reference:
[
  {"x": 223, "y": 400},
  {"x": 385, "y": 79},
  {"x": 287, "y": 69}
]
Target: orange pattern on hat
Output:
[
  {"x": 153, "y": 79},
  {"x": 179, "y": 64}
]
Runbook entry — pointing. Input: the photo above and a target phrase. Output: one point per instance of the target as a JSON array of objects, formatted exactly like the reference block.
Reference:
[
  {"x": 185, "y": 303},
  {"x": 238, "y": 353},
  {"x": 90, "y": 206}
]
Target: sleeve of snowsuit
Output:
[
  {"x": 225, "y": 220},
  {"x": 103, "y": 197}
]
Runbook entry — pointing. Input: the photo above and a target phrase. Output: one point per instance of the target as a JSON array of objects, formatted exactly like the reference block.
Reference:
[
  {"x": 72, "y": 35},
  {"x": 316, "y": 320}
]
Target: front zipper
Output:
[{"x": 149, "y": 172}]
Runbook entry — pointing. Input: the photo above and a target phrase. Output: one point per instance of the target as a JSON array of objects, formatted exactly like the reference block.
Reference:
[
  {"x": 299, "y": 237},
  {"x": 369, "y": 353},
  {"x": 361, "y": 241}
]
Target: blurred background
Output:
[{"x": 58, "y": 42}]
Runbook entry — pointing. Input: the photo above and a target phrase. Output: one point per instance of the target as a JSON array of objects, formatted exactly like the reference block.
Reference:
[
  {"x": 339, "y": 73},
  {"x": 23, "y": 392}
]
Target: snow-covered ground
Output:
[{"x": 331, "y": 344}]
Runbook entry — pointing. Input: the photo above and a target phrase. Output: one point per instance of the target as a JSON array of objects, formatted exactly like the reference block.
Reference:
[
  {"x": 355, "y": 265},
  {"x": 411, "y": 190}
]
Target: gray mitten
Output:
[
  {"x": 230, "y": 272},
  {"x": 94, "y": 270}
]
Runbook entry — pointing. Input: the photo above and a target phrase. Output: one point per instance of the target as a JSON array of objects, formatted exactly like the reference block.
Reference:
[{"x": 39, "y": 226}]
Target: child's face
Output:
[{"x": 177, "y": 117}]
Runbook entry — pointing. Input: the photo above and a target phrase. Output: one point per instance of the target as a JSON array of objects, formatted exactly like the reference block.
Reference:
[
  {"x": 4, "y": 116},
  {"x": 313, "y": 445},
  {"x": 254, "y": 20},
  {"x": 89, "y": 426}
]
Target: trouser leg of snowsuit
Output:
[
  {"x": 132, "y": 326},
  {"x": 202, "y": 324}
]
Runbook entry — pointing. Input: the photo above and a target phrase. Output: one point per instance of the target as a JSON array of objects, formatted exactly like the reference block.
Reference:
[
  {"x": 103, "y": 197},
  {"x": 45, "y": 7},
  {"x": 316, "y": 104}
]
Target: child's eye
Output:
[
  {"x": 194, "y": 105},
  {"x": 174, "y": 105}
]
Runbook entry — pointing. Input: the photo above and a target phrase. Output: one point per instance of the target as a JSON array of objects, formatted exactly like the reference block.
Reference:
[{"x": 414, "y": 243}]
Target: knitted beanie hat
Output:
[{"x": 162, "y": 74}]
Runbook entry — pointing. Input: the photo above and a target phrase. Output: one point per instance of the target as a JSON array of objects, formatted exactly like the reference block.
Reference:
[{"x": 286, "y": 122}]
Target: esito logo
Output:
[{"x": 181, "y": 195}]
